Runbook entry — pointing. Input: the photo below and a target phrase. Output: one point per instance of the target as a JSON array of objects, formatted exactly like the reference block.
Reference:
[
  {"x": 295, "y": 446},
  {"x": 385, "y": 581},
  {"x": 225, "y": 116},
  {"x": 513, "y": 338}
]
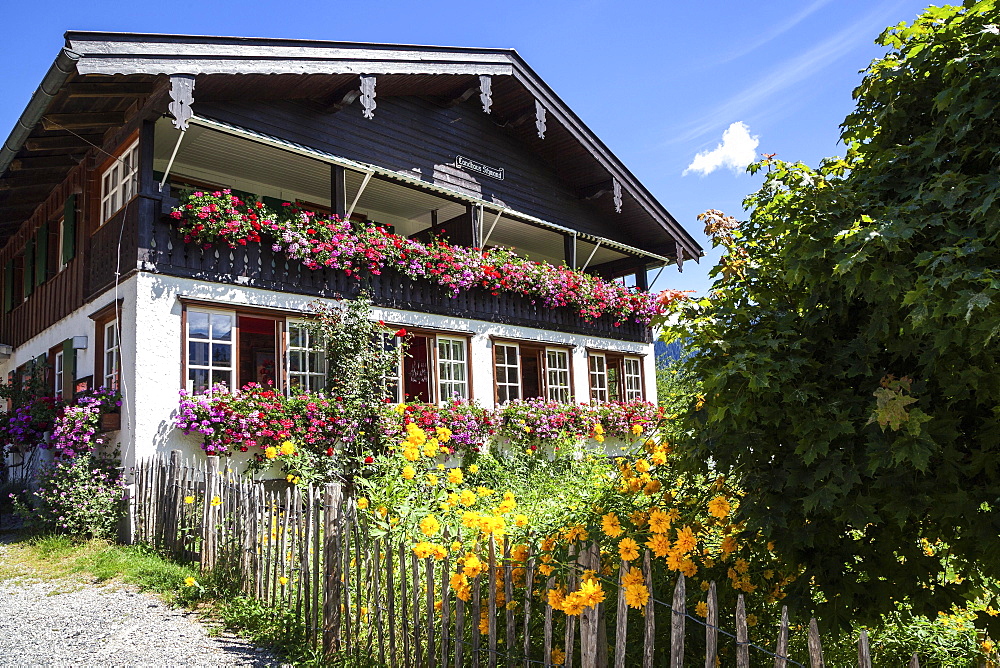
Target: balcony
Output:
[{"x": 258, "y": 266}]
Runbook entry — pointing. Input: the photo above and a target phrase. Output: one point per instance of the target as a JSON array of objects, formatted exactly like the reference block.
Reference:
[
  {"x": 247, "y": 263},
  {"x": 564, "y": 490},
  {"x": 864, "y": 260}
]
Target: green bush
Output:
[{"x": 79, "y": 496}]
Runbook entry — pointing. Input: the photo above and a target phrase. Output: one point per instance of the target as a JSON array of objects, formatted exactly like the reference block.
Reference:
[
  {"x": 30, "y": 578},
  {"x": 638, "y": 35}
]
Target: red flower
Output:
[
  {"x": 401, "y": 333},
  {"x": 369, "y": 459},
  {"x": 329, "y": 452}
]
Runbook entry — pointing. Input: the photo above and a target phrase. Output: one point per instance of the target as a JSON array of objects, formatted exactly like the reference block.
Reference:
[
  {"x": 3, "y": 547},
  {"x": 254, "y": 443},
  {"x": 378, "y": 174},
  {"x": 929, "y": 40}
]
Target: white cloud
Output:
[{"x": 737, "y": 150}]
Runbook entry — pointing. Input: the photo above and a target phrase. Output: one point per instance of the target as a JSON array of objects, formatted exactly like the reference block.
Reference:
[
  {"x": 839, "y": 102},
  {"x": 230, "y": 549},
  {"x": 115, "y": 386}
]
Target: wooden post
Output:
[
  {"x": 173, "y": 502},
  {"x": 590, "y": 559},
  {"x": 781, "y": 649},
  {"x": 742, "y": 636},
  {"x": 404, "y": 606},
  {"x": 529, "y": 581},
  {"x": 864, "y": 652},
  {"x": 572, "y": 582},
  {"x": 338, "y": 191},
  {"x": 815, "y": 648},
  {"x": 445, "y": 608},
  {"x": 712, "y": 627},
  {"x": 492, "y": 603},
  {"x": 390, "y": 599},
  {"x": 621, "y": 619},
  {"x": 209, "y": 515},
  {"x": 459, "y": 632},
  {"x": 332, "y": 496},
  {"x": 429, "y": 575},
  {"x": 677, "y": 611},
  {"x": 914, "y": 662},
  {"x": 476, "y": 614},
  {"x": 508, "y": 589},
  {"x": 547, "y": 638},
  {"x": 650, "y": 629}
]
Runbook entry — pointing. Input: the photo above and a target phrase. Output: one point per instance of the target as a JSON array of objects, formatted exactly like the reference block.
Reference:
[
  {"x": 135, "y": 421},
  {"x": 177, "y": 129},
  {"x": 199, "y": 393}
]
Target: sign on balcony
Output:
[{"x": 479, "y": 168}]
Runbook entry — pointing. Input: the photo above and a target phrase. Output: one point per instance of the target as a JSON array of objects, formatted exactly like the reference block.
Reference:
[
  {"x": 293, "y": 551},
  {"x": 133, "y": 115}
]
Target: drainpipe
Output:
[{"x": 64, "y": 65}]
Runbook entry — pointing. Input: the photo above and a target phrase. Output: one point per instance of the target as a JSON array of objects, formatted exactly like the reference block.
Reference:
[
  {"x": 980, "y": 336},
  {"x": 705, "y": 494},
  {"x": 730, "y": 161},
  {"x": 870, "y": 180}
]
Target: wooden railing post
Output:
[
  {"x": 332, "y": 558},
  {"x": 209, "y": 515}
]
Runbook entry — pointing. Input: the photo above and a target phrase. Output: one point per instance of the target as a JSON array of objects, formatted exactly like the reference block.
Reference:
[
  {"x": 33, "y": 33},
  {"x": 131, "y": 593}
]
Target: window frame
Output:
[
  {"x": 460, "y": 343},
  {"x": 636, "y": 393},
  {"x": 595, "y": 388},
  {"x": 497, "y": 384},
  {"x": 233, "y": 343},
  {"x": 111, "y": 313},
  {"x": 286, "y": 377},
  {"x": 113, "y": 167},
  {"x": 397, "y": 380},
  {"x": 550, "y": 389}
]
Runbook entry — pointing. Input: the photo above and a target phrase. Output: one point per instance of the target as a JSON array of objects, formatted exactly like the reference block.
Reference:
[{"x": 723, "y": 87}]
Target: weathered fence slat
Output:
[
  {"x": 590, "y": 560},
  {"x": 621, "y": 618},
  {"x": 677, "y": 611},
  {"x": 403, "y": 607},
  {"x": 712, "y": 627},
  {"x": 417, "y": 640},
  {"x": 429, "y": 604},
  {"x": 547, "y": 637},
  {"x": 445, "y": 609},
  {"x": 864, "y": 652},
  {"x": 508, "y": 590},
  {"x": 781, "y": 649},
  {"x": 332, "y": 496},
  {"x": 529, "y": 582},
  {"x": 491, "y": 620},
  {"x": 914, "y": 662},
  {"x": 572, "y": 583},
  {"x": 476, "y": 615},
  {"x": 742, "y": 634},
  {"x": 649, "y": 631},
  {"x": 815, "y": 648}
]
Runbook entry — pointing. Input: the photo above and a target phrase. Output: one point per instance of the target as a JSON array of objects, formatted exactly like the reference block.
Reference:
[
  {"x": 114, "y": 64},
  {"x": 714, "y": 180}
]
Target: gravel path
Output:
[{"x": 70, "y": 622}]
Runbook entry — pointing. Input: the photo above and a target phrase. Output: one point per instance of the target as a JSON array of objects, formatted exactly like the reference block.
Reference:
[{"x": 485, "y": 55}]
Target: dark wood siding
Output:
[{"x": 422, "y": 138}]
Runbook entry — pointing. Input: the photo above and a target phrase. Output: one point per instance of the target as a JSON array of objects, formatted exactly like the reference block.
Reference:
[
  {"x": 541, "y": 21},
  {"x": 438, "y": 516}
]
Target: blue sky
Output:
[{"x": 659, "y": 81}]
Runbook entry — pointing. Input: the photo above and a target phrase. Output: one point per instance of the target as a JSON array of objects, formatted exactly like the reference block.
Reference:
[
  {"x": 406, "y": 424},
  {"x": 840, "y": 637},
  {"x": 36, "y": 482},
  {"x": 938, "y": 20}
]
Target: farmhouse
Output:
[{"x": 425, "y": 144}]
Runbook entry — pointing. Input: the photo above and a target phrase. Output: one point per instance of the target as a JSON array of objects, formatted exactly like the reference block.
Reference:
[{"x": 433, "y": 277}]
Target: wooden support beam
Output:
[
  {"x": 475, "y": 213},
  {"x": 45, "y": 162},
  {"x": 338, "y": 191},
  {"x": 339, "y": 98},
  {"x": 108, "y": 89},
  {"x": 62, "y": 142},
  {"x": 642, "y": 278},
  {"x": 87, "y": 120},
  {"x": 569, "y": 250},
  {"x": 463, "y": 95}
]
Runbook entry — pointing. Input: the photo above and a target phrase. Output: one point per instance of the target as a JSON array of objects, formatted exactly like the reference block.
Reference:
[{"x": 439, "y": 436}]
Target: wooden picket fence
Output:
[{"x": 307, "y": 552}]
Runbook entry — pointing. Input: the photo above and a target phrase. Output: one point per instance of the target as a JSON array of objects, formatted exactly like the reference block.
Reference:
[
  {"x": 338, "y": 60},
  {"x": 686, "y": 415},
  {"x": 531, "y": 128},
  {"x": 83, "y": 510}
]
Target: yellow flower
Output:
[
  {"x": 472, "y": 566},
  {"x": 652, "y": 488},
  {"x": 283, "y": 580},
  {"x": 289, "y": 478},
  {"x": 270, "y": 452},
  {"x": 659, "y": 544},
  {"x": 432, "y": 480},
  {"x": 468, "y": 497},
  {"x": 659, "y": 521},
  {"x": 455, "y": 476},
  {"x": 558, "y": 657},
  {"x": 632, "y": 577},
  {"x": 473, "y": 468},
  {"x": 611, "y": 526},
  {"x": 719, "y": 507},
  {"x": 190, "y": 582},
  {"x": 408, "y": 472},
  {"x": 411, "y": 454},
  {"x": 751, "y": 620},
  {"x": 636, "y": 596},
  {"x": 216, "y": 501},
  {"x": 288, "y": 448},
  {"x": 628, "y": 549},
  {"x": 642, "y": 466},
  {"x": 701, "y": 609},
  {"x": 521, "y": 520},
  {"x": 637, "y": 429},
  {"x": 686, "y": 540},
  {"x": 188, "y": 499},
  {"x": 429, "y": 525},
  {"x": 443, "y": 434},
  {"x": 362, "y": 503}
]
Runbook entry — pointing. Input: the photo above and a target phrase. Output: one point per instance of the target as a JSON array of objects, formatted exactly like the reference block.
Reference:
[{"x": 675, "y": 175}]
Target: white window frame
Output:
[
  {"x": 60, "y": 260},
  {"x": 632, "y": 378},
  {"x": 452, "y": 372},
  {"x": 57, "y": 374},
  {"x": 111, "y": 354},
  {"x": 210, "y": 366},
  {"x": 558, "y": 386},
  {"x": 394, "y": 379},
  {"x": 511, "y": 390},
  {"x": 120, "y": 182},
  {"x": 315, "y": 379},
  {"x": 598, "y": 375}
]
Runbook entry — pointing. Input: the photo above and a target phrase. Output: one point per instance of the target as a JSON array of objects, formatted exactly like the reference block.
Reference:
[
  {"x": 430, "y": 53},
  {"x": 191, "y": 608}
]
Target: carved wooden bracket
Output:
[
  {"x": 540, "y": 119},
  {"x": 368, "y": 95},
  {"x": 679, "y": 256},
  {"x": 616, "y": 188},
  {"x": 182, "y": 97},
  {"x": 486, "y": 92}
]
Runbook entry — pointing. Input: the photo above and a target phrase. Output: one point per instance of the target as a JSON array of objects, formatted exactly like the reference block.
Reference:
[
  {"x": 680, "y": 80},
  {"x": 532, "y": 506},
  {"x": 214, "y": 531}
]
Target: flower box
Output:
[{"x": 111, "y": 421}]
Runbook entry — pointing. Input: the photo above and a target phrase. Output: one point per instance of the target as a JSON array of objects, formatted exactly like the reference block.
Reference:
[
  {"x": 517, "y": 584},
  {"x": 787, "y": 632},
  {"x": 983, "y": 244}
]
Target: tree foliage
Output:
[{"x": 849, "y": 351}]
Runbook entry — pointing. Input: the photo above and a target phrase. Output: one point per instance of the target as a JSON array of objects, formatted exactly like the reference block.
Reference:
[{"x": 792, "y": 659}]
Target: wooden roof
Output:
[{"x": 108, "y": 73}]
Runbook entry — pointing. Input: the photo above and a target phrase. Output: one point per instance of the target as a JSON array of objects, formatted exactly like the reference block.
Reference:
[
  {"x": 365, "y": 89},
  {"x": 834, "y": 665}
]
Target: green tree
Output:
[{"x": 849, "y": 351}]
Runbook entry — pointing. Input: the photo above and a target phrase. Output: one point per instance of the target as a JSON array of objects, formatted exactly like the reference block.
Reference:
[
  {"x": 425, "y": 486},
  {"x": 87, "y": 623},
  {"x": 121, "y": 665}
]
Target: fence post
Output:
[
  {"x": 332, "y": 558},
  {"x": 172, "y": 502},
  {"x": 677, "y": 613},
  {"x": 590, "y": 559},
  {"x": 209, "y": 514},
  {"x": 864, "y": 651},
  {"x": 815, "y": 647}
]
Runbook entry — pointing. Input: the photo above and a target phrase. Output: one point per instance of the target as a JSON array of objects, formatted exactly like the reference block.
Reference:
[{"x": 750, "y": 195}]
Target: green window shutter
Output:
[
  {"x": 69, "y": 230},
  {"x": 69, "y": 369},
  {"x": 29, "y": 267},
  {"x": 8, "y": 286},
  {"x": 41, "y": 254}
]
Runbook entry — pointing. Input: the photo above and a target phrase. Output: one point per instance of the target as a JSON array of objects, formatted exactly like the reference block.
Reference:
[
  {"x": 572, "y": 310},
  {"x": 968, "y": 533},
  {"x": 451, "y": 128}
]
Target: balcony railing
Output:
[{"x": 258, "y": 266}]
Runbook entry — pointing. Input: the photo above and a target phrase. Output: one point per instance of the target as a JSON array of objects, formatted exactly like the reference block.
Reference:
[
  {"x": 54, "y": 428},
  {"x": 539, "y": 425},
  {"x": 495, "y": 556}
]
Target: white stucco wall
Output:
[{"x": 151, "y": 372}]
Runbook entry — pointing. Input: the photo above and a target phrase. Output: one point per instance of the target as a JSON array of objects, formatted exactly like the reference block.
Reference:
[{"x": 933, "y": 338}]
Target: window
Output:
[
  {"x": 57, "y": 374},
  {"x": 111, "y": 356},
  {"x": 598, "y": 377},
  {"x": 306, "y": 360},
  {"x": 557, "y": 371},
  {"x": 508, "y": 377},
  {"x": 209, "y": 349},
  {"x": 632, "y": 376},
  {"x": 120, "y": 182},
  {"x": 391, "y": 381},
  {"x": 452, "y": 377}
]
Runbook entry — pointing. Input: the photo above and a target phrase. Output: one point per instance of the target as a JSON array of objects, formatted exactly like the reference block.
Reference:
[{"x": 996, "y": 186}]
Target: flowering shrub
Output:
[
  {"x": 318, "y": 241},
  {"x": 80, "y": 496},
  {"x": 75, "y": 429},
  {"x": 27, "y": 423}
]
